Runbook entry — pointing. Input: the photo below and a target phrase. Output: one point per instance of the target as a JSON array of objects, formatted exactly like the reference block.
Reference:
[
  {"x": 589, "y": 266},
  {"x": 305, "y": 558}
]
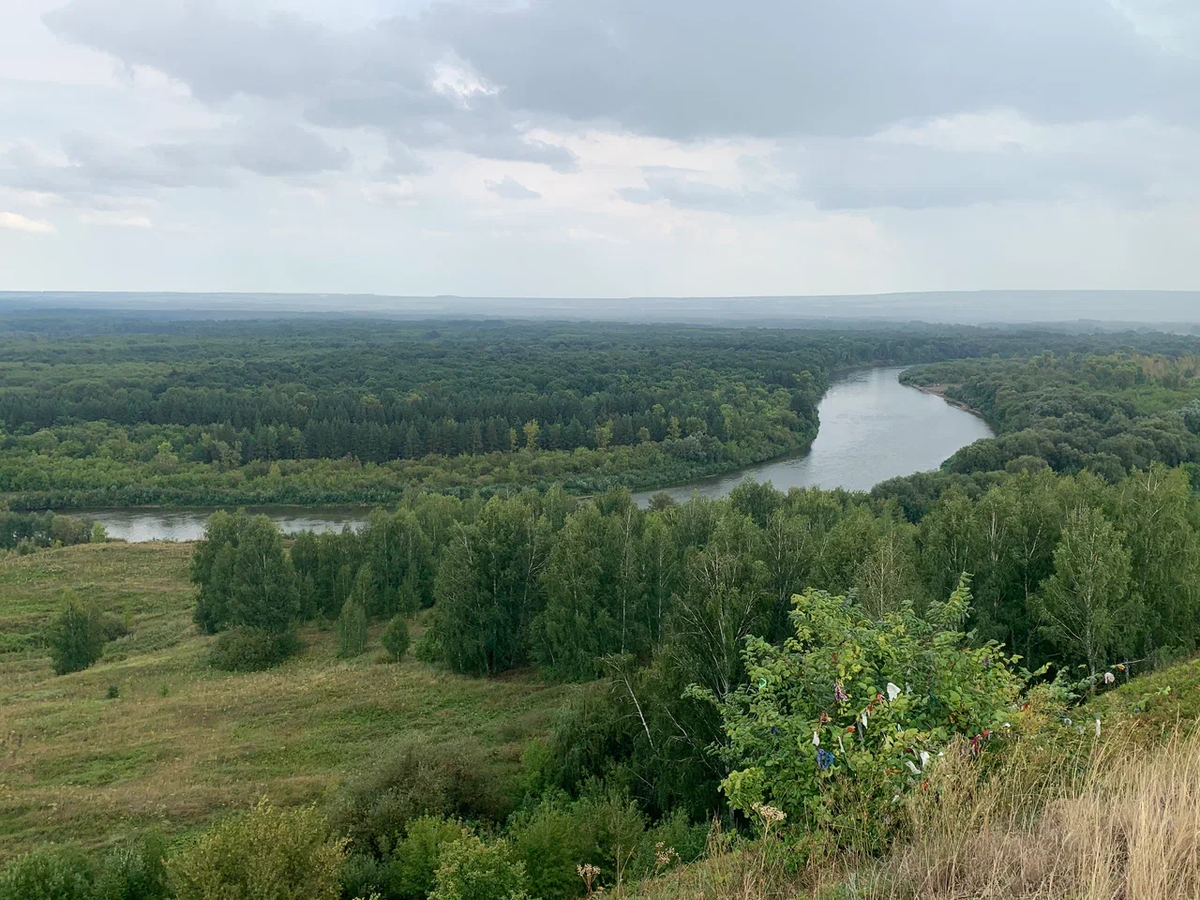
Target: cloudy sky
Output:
[{"x": 599, "y": 147}]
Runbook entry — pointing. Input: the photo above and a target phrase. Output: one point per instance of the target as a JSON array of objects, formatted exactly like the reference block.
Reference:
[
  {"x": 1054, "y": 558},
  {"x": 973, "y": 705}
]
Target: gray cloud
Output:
[
  {"x": 683, "y": 190},
  {"x": 509, "y": 188},
  {"x": 676, "y": 68},
  {"x": 785, "y": 67},
  {"x": 844, "y": 174},
  {"x": 810, "y": 71},
  {"x": 95, "y": 166},
  {"x": 384, "y": 77}
]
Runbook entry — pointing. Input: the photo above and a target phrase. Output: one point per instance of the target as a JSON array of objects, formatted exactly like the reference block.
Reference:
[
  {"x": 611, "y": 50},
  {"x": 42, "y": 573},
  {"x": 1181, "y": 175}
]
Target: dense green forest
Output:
[
  {"x": 783, "y": 668},
  {"x": 97, "y": 411}
]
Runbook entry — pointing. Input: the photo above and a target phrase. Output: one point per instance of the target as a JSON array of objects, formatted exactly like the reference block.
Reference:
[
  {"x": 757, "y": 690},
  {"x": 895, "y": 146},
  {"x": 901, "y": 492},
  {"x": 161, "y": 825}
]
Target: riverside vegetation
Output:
[{"x": 966, "y": 683}]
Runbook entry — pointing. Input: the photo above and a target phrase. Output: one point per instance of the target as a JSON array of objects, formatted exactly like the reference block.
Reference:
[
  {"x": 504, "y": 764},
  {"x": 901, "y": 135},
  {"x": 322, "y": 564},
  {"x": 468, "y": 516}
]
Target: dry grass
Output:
[
  {"x": 182, "y": 743},
  {"x": 1128, "y": 827},
  {"x": 1071, "y": 818}
]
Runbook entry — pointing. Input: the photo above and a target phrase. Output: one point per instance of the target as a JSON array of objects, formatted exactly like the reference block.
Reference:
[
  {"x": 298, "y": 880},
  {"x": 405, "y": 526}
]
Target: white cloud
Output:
[
  {"x": 18, "y": 222},
  {"x": 115, "y": 219}
]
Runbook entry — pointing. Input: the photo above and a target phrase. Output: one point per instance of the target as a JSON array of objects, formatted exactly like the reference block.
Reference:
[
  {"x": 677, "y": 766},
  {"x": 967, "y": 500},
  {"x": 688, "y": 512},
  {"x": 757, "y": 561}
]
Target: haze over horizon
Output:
[
  {"x": 599, "y": 149},
  {"x": 1173, "y": 310}
]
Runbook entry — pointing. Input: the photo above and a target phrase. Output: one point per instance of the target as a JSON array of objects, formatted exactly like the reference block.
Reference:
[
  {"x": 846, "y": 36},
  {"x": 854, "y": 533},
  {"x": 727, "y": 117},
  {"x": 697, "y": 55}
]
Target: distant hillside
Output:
[{"x": 1173, "y": 310}]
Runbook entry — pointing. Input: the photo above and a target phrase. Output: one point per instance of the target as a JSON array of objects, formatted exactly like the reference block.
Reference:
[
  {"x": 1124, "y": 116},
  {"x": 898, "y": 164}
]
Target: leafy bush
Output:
[
  {"x": 551, "y": 840},
  {"x": 252, "y": 649},
  {"x": 57, "y": 874},
  {"x": 395, "y": 637},
  {"x": 414, "y": 864},
  {"x": 76, "y": 639},
  {"x": 113, "y": 626},
  {"x": 428, "y": 649},
  {"x": 263, "y": 854},
  {"x": 847, "y": 715},
  {"x": 421, "y": 779},
  {"x": 472, "y": 869},
  {"x": 136, "y": 872},
  {"x": 362, "y": 875},
  {"x": 113, "y": 692}
]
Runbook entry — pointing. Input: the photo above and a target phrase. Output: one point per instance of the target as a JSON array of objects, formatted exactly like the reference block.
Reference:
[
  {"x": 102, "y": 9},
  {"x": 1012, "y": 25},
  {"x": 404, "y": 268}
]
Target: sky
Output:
[{"x": 599, "y": 148}]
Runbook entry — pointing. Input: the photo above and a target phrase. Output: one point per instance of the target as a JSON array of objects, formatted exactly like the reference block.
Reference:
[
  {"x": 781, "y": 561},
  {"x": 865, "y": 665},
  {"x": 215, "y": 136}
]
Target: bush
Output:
[
  {"x": 362, "y": 875},
  {"x": 137, "y": 872},
  {"x": 395, "y": 637},
  {"x": 414, "y": 863},
  {"x": 421, "y": 779},
  {"x": 847, "y": 715},
  {"x": 113, "y": 626},
  {"x": 113, "y": 692},
  {"x": 252, "y": 649},
  {"x": 428, "y": 649},
  {"x": 263, "y": 854},
  {"x": 552, "y": 839},
  {"x": 76, "y": 639},
  {"x": 352, "y": 629},
  {"x": 472, "y": 869},
  {"x": 58, "y": 874}
]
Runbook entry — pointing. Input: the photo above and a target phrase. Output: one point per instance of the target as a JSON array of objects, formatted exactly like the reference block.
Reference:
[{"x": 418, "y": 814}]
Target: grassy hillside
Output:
[
  {"x": 180, "y": 742},
  {"x": 1062, "y": 816}
]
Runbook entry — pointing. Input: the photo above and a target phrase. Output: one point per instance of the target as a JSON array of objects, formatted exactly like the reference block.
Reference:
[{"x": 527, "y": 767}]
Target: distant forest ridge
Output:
[{"x": 1173, "y": 310}]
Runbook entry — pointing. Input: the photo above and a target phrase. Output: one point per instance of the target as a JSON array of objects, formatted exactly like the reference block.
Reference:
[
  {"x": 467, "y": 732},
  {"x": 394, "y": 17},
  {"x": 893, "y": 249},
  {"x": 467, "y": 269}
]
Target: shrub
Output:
[
  {"x": 472, "y": 869},
  {"x": 848, "y": 714},
  {"x": 414, "y": 862},
  {"x": 421, "y": 779},
  {"x": 113, "y": 626},
  {"x": 428, "y": 649},
  {"x": 136, "y": 872},
  {"x": 395, "y": 637},
  {"x": 57, "y": 874},
  {"x": 352, "y": 629},
  {"x": 251, "y": 649},
  {"x": 362, "y": 875},
  {"x": 263, "y": 854},
  {"x": 76, "y": 639},
  {"x": 551, "y": 840},
  {"x": 113, "y": 692}
]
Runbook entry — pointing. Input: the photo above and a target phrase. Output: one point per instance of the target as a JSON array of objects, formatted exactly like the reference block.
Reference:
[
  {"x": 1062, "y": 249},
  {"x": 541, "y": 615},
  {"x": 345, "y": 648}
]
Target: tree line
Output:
[
  {"x": 95, "y": 412},
  {"x": 649, "y": 604}
]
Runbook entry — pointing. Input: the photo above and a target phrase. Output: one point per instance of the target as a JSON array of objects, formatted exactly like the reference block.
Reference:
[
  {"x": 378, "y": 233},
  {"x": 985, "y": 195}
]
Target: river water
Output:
[{"x": 872, "y": 428}]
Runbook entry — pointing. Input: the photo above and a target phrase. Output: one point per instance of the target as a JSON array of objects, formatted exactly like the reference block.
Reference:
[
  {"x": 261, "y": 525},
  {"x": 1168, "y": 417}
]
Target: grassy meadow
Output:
[{"x": 181, "y": 743}]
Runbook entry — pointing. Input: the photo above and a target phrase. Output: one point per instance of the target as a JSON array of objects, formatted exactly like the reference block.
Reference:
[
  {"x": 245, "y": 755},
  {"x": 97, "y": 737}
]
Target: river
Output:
[{"x": 872, "y": 428}]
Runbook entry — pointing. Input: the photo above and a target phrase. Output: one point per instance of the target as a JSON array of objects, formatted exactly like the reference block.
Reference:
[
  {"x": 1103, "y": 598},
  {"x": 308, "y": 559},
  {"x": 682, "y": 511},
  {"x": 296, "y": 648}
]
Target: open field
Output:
[{"x": 181, "y": 742}]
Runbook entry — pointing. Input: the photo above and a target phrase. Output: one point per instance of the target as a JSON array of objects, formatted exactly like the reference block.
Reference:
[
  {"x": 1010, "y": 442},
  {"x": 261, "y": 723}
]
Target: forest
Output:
[
  {"x": 99, "y": 412},
  {"x": 769, "y": 694}
]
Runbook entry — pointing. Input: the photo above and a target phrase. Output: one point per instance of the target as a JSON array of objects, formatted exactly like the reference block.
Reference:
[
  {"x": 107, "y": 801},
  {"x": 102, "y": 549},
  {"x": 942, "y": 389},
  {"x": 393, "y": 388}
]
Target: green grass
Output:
[{"x": 77, "y": 766}]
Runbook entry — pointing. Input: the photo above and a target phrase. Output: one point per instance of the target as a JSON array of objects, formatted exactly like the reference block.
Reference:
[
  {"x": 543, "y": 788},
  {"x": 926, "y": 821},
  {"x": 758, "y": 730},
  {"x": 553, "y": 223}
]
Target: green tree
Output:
[
  {"x": 1158, "y": 516},
  {"x": 266, "y": 592},
  {"x": 395, "y": 637},
  {"x": 1080, "y": 605},
  {"x": 489, "y": 587},
  {"x": 76, "y": 638},
  {"x": 887, "y": 579},
  {"x": 352, "y": 623},
  {"x": 212, "y": 568},
  {"x": 594, "y": 595}
]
